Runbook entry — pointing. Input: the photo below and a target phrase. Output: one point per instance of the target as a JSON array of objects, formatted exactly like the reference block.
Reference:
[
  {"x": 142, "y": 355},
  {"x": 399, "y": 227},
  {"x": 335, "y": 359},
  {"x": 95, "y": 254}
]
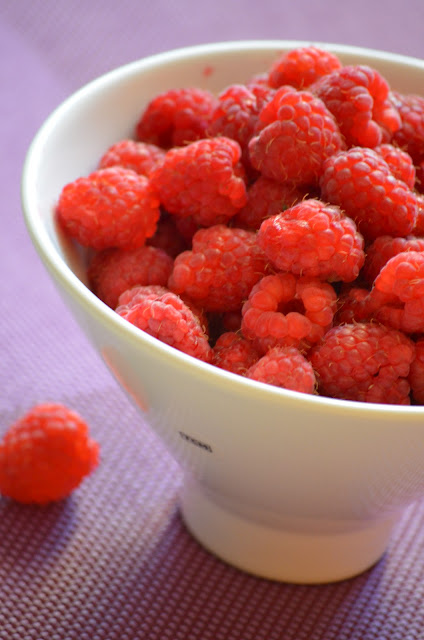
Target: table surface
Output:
[{"x": 115, "y": 561}]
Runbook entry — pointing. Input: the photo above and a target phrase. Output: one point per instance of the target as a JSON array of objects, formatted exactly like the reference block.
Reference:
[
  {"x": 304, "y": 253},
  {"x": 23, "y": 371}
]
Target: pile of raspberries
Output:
[{"x": 275, "y": 230}]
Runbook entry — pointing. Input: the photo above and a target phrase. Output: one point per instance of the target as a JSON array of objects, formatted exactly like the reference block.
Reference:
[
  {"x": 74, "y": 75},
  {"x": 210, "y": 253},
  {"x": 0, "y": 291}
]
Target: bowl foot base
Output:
[{"x": 315, "y": 552}]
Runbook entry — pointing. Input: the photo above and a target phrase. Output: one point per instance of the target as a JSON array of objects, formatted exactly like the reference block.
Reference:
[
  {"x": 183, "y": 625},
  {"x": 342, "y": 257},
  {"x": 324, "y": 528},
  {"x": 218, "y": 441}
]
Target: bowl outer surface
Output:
[{"x": 260, "y": 446}]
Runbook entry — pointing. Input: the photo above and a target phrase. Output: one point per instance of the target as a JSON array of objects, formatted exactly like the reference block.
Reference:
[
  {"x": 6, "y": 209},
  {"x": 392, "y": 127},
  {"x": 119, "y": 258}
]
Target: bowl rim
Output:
[{"x": 78, "y": 290}]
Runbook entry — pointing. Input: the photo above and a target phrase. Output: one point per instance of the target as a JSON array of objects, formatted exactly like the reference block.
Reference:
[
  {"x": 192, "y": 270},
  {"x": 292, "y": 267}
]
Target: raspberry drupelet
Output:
[
  {"x": 165, "y": 316},
  {"x": 113, "y": 271},
  {"x": 302, "y": 66},
  {"x": 141, "y": 157},
  {"x": 360, "y": 182},
  {"x": 296, "y": 133},
  {"x": 204, "y": 180},
  {"x": 358, "y": 97},
  {"x": 313, "y": 239},
  {"x": 46, "y": 454},
  {"x": 285, "y": 310},
  {"x": 176, "y": 117},
  {"x": 366, "y": 362},
  {"x": 234, "y": 353},
  {"x": 112, "y": 207},
  {"x": 284, "y": 367},
  {"x": 220, "y": 269}
]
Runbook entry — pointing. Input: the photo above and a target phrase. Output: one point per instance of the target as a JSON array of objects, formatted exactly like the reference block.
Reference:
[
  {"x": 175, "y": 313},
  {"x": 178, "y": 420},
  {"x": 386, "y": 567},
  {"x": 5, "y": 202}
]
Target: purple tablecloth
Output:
[{"x": 115, "y": 560}]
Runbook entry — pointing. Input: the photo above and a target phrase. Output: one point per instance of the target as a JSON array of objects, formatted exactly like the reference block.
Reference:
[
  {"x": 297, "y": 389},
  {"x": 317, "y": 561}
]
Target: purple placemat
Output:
[{"x": 115, "y": 562}]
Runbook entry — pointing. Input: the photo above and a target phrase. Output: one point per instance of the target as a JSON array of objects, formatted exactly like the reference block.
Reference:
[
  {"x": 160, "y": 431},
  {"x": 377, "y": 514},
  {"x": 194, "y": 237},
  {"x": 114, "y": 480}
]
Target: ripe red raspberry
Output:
[
  {"x": 236, "y": 114},
  {"x": 133, "y": 296},
  {"x": 382, "y": 249},
  {"x": 166, "y": 317},
  {"x": 419, "y": 221},
  {"x": 416, "y": 373},
  {"x": 358, "y": 97},
  {"x": 168, "y": 237},
  {"x": 419, "y": 177},
  {"x": 315, "y": 240},
  {"x": 112, "y": 207},
  {"x": 297, "y": 133},
  {"x": 265, "y": 198},
  {"x": 398, "y": 292},
  {"x": 231, "y": 321},
  {"x": 360, "y": 182},
  {"x": 187, "y": 227},
  {"x": 45, "y": 455},
  {"x": 220, "y": 270},
  {"x": 410, "y": 135},
  {"x": 204, "y": 180},
  {"x": 302, "y": 66},
  {"x": 113, "y": 271},
  {"x": 367, "y": 362},
  {"x": 353, "y": 305},
  {"x": 234, "y": 353},
  {"x": 284, "y": 367},
  {"x": 400, "y": 163},
  {"x": 141, "y": 157},
  {"x": 176, "y": 117},
  {"x": 283, "y": 310}
]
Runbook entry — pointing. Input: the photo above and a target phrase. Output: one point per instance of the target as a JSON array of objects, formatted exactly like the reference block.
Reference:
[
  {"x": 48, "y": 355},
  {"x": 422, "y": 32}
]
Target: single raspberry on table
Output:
[
  {"x": 410, "y": 135},
  {"x": 296, "y": 133},
  {"x": 113, "y": 271},
  {"x": 176, "y": 117},
  {"x": 285, "y": 310},
  {"x": 112, "y": 207},
  {"x": 367, "y": 362},
  {"x": 234, "y": 353},
  {"x": 204, "y": 180},
  {"x": 359, "y": 98},
  {"x": 302, "y": 66},
  {"x": 398, "y": 292},
  {"x": 220, "y": 269},
  {"x": 400, "y": 163},
  {"x": 284, "y": 367},
  {"x": 165, "y": 316},
  {"x": 382, "y": 249},
  {"x": 46, "y": 454},
  {"x": 265, "y": 198},
  {"x": 313, "y": 239},
  {"x": 416, "y": 373},
  {"x": 141, "y": 157},
  {"x": 360, "y": 182}
]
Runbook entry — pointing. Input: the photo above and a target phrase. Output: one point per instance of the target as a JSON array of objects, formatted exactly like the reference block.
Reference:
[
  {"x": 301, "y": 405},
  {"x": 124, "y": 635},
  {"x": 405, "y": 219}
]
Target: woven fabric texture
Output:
[{"x": 115, "y": 561}]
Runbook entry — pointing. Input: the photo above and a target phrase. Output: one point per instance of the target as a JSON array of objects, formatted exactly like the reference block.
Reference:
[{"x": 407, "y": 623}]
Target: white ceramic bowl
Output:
[{"x": 284, "y": 485}]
